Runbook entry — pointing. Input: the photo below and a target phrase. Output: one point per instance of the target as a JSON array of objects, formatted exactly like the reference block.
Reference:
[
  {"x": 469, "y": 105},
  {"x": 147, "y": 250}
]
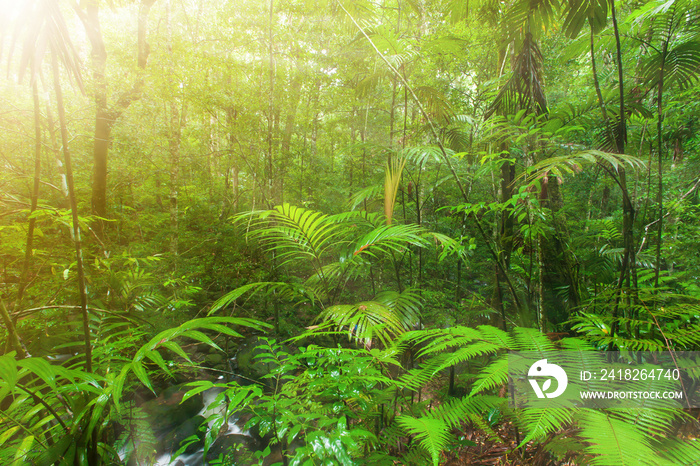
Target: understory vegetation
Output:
[{"x": 310, "y": 232}]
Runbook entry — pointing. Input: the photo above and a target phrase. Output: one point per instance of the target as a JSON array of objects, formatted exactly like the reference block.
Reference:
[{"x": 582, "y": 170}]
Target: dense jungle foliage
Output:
[{"x": 309, "y": 232}]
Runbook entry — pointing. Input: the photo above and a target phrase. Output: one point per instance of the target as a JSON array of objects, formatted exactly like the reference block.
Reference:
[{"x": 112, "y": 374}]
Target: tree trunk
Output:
[
  {"x": 106, "y": 116},
  {"x": 659, "y": 194},
  {"x": 13, "y": 342},
  {"x": 23, "y": 282},
  {"x": 231, "y": 116},
  {"x": 74, "y": 211},
  {"x": 289, "y": 124},
  {"x": 174, "y": 151},
  {"x": 176, "y": 122},
  {"x": 629, "y": 260},
  {"x": 270, "y": 110}
]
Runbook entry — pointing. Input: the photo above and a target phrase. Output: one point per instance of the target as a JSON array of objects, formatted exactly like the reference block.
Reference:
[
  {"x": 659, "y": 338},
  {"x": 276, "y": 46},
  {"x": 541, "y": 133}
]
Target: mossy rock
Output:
[
  {"x": 167, "y": 411},
  {"x": 183, "y": 431},
  {"x": 215, "y": 360}
]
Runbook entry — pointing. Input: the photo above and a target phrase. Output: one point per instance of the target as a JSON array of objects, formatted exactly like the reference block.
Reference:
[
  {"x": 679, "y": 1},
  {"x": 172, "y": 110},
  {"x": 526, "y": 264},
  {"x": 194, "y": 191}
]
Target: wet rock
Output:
[
  {"x": 248, "y": 363},
  {"x": 167, "y": 410},
  {"x": 214, "y": 360},
  {"x": 190, "y": 427},
  {"x": 239, "y": 448}
]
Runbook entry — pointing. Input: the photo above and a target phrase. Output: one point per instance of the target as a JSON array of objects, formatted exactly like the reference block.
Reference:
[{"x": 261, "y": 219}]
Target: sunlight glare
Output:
[{"x": 9, "y": 9}]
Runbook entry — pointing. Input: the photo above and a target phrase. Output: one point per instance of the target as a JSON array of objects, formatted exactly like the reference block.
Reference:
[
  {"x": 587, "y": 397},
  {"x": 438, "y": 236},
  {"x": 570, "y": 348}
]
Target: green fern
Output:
[
  {"x": 615, "y": 441},
  {"x": 385, "y": 318},
  {"x": 432, "y": 434}
]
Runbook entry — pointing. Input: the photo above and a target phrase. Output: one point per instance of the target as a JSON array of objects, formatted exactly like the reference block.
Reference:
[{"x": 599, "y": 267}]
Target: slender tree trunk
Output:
[
  {"x": 178, "y": 118},
  {"x": 13, "y": 342},
  {"x": 57, "y": 154},
  {"x": 629, "y": 260},
  {"x": 289, "y": 124},
  {"x": 506, "y": 230},
  {"x": 659, "y": 194},
  {"x": 23, "y": 282},
  {"x": 601, "y": 101},
  {"x": 231, "y": 116},
  {"x": 103, "y": 121},
  {"x": 82, "y": 288},
  {"x": 622, "y": 124},
  {"x": 174, "y": 150},
  {"x": 270, "y": 110}
]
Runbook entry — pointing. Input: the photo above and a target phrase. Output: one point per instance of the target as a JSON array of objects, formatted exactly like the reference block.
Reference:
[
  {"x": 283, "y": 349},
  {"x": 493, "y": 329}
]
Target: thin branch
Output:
[{"x": 40, "y": 400}]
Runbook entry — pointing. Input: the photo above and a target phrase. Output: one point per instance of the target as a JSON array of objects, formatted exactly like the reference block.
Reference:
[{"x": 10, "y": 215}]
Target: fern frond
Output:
[
  {"x": 493, "y": 375},
  {"x": 675, "y": 451},
  {"x": 439, "y": 340},
  {"x": 531, "y": 339},
  {"x": 463, "y": 354},
  {"x": 433, "y": 434},
  {"x": 418, "y": 377},
  {"x": 615, "y": 441},
  {"x": 455, "y": 411},
  {"x": 541, "y": 422},
  {"x": 496, "y": 335}
]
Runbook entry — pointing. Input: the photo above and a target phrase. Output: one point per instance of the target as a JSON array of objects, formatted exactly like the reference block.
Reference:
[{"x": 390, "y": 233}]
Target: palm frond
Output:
[
  {"x": 295, "y": 233},
  {"x": 385, "y": 318},
  {"x": 524, "y": 90},
  {"x": 389, "y": 238},
  {"x": 681, "y": 65},
  {"x": 580, "y": 12},
  {"x": 41, "y": 27},
  {"x": 676, "y": 451},
  {"x": 421, "y": 155},
  {"x": 574, "y": 163},
  {"x": 287, "y": 290},
  {"x": 435, "y": 103},
  {"x": 394, "y": 169}
]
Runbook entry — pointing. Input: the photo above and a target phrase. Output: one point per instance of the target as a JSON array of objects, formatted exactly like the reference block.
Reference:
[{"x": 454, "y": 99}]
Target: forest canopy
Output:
[{"x": 317, "y": 231}]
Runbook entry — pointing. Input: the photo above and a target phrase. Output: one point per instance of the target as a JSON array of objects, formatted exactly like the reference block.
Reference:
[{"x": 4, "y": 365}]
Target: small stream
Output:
[{"x": 197, "y": 458}]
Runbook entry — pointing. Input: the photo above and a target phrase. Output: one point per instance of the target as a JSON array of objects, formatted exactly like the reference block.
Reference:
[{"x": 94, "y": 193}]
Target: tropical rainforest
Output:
[{"x": 310, "y": 232}]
